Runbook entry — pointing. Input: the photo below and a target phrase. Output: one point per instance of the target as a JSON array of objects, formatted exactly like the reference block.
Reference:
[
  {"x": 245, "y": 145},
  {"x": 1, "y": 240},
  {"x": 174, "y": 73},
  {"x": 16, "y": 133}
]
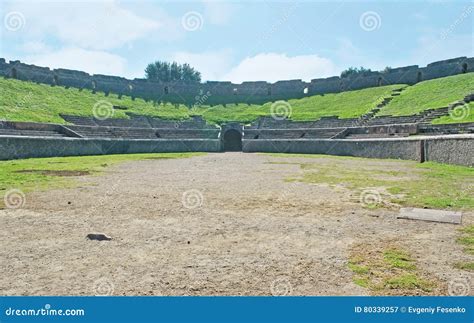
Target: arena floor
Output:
[{"x": 219, "y": 224}]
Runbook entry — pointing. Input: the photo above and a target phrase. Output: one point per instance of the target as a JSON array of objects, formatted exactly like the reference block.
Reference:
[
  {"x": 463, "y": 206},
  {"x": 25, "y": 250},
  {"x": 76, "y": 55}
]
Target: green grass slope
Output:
[
  {"x": 430, "y": 94},
  {"x": 350, "y": 104},
  {"x": 26, "y": 101}
]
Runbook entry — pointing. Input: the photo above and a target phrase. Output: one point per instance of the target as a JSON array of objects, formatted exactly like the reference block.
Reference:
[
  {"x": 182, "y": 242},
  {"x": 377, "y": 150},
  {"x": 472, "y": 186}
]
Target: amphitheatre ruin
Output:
[
  {"x": 352, "y": 185},
  {"x": 364, "y": 135}
]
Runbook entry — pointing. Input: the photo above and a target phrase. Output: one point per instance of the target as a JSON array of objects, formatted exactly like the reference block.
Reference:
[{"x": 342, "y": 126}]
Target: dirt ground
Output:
[{"x": 219, "y": 224}]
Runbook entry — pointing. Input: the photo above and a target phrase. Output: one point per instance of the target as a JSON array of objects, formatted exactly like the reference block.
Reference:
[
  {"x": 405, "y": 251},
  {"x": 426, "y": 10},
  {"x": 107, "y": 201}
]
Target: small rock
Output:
[
  {"x": 69, "y": 202},
  {"x": 98, "y": 237},
  {"x": 189, "y": 242}
]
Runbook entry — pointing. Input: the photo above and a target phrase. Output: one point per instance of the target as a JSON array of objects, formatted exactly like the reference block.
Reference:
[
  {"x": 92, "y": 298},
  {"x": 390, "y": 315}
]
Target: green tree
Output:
[
  {"x": 169, "y": 72},
  {"x": 354, "y": 71}
]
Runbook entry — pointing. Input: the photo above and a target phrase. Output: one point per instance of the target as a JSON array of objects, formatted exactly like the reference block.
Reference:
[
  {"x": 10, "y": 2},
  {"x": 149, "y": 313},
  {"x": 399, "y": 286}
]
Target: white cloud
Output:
[
  {"x": 94, "y": 25},
  {"x": 271, "y": 67},
  {"x": 93, "y": 62},
  {"x": 274, "y": 67},
  {"x": 212, "y": 65},
  {"x": 35, "y": 47},
  {"x": 218, "y": 12}
]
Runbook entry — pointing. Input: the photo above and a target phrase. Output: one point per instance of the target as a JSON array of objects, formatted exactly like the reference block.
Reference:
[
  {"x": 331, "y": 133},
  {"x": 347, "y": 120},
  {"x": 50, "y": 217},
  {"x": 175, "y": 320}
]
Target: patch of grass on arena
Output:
[
  {"x": 406, "y": 183},
  {"x": 467, "y": 240},
  {"x": 60, "y": 172},
  {"x": 388, "y": 269},
  {"x": 430, "y": 94}
]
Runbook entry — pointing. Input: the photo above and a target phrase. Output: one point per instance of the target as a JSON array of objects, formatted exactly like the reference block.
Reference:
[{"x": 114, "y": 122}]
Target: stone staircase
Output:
[
  {"x": 426, "y": 116},
  {"x": 364, "y": 120}
]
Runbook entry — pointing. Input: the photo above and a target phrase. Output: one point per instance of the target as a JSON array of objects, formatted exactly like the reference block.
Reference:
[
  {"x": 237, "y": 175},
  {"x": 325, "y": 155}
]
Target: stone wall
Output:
[
  {"x": 226, "y": 92},
  {"x": 29, "y": 147},
  {"x": 453, "y": 150}
]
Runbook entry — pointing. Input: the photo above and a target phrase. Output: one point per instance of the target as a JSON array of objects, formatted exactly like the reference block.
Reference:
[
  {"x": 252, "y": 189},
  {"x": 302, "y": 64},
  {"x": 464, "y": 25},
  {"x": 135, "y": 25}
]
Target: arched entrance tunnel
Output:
[{"x": 232, "y": 140}]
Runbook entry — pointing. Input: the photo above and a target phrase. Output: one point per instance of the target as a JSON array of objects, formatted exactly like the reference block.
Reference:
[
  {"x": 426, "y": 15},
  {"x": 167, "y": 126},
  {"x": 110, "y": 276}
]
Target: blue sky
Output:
[{"x": 236, "y": 40}]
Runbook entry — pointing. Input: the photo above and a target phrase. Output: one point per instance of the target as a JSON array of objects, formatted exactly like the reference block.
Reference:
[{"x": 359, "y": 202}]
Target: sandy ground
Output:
[{"x": 220, "y": 224}]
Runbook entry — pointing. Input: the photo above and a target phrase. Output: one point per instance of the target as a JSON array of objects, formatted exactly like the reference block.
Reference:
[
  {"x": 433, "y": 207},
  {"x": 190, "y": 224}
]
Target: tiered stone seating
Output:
[
  {"x": 321, "y": 133},
  {"x": 375, "y": 135},
  {"x": 83, "y": 121},
  {"x": 386, "y": 120},
  {"x": 125, "y": 123},
  {"x": 290, "y": 133},
  {"x": 142, "y": 127},
  {"x": 444, "y": 129},
  {"x": 423, "y": 117},
  {"x": 430, "y": 115},
  {"x": 144, "y": 133},
  {"x": 272, "y": 134},
  {"x": 114, "y": 132},
  {"x": 33, "y": 133},
  {"x": 334, "y": 122},
  {"x": 188, "y": 133},
  {"x": 139, "y": 121},
  {"x": 6, "y": 129},
  {"x": 325, "y": 122}
]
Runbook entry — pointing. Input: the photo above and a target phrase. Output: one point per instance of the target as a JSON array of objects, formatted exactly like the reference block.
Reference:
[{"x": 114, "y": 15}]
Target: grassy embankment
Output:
[{"x": 434, "y": 94}]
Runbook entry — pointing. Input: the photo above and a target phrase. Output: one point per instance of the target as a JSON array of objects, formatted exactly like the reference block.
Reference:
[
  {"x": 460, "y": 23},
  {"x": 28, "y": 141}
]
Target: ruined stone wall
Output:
[
  {"x": 442, "y": 149},
  {"x": 29, "y": 147},
  {"x": 226, "y": 92}
]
